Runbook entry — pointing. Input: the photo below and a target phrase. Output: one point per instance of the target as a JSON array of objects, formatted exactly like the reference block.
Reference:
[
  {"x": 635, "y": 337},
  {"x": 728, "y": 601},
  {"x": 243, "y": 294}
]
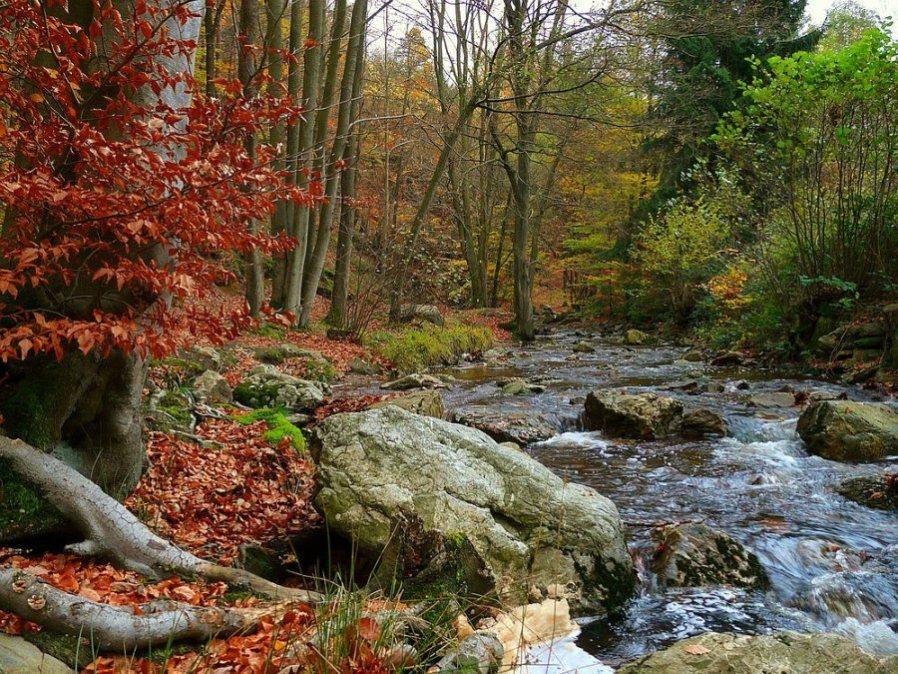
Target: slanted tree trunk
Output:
[
  {"x": 211, "y": 26},
  {"x": 110, "y": 530}
]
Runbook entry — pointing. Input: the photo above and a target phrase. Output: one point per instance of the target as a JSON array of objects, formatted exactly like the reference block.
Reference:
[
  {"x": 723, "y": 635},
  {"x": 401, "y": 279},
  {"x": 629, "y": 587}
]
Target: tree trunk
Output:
[
  {"x": 274, "y": 43},
  {"x": 212, "y": 24},
  {"x": 246, "y": 70},
  {"x": 300, "y": 222},
  {"x": 354, "y": 55}
]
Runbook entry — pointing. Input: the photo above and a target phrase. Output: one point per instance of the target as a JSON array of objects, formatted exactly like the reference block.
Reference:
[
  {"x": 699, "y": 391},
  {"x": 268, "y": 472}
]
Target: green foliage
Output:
[
  {"x": 418, "y": 348},
  {"x": 278, "y": 426}
]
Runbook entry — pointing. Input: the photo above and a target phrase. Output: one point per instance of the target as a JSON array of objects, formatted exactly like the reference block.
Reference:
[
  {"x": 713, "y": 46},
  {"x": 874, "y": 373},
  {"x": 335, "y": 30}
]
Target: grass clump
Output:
[
  {"x": 418, "y": 348},
  {"x": 278, "y": 426}
]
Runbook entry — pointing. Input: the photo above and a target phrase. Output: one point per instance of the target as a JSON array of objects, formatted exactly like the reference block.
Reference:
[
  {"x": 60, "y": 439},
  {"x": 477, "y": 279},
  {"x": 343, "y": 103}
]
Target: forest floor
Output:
[{"x": 212, "y": 497}]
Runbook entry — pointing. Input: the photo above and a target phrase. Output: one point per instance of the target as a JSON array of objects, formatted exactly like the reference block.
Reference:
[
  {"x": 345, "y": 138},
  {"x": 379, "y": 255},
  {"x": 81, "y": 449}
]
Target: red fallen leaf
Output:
[{"x": 369, "y": 629}]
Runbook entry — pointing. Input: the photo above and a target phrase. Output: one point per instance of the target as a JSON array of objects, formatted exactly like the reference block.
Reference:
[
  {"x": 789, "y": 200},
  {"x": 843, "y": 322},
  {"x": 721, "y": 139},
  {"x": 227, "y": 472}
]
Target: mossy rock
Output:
[
  {"x": 279, "y": 427},
  {"x": 172, "y": 411},
  {"x": 874, "y": 491},
  {"x": 844, "y": 430}
]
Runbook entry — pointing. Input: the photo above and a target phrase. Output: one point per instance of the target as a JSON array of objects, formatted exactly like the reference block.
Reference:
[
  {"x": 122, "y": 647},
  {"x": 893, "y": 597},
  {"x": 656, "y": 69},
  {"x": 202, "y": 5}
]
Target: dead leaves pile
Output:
[{"x": 211, "y": 501}]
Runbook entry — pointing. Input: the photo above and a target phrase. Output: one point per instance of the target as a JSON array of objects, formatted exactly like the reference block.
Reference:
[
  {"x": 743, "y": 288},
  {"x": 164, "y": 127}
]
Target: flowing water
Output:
[{"x": 829, "y": 560}]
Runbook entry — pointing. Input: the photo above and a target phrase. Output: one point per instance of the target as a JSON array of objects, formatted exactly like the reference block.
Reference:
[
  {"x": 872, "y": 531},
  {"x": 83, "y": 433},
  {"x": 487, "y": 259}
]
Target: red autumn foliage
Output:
[
  {"x": 116, "y": 197},
  {"x": 210, "y": 501}
]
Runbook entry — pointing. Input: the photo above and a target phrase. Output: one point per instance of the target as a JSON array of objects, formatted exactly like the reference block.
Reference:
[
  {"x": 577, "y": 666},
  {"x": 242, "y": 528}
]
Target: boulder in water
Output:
[
  {"x": 844, "y": 430},
  {"x": 517, "y": 386},
  {"x": 694, "y": 555},
  {"x": 644, "y": 416},
  {"x": 522, "y": 428},
  {"x": 779, "y": 653},
  {"x": 413, "y": 381},
  {"x": 267, "y": 386},
  {"x": 874, "y": 491},
  {"x": 427, "y": 402},
  {"x": 584, "y": 347},
  {"x": 702, "y": 423},
  {"x": 438, "y": 503}
]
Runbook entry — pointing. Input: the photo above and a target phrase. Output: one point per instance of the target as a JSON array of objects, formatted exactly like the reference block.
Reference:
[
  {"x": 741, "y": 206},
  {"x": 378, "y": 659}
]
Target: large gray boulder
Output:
[
  {"x": 211, "y": 387},
  {"x": 267, "y": 386},
  {"x": 441, "y": 503},
  {"x": 695, "y": 555},
  {"x": 780, "y": 653},
  {"x": 426, "y": 313},
  {"x": 522, "y": 428},
  {"x": 844, "y": 430}
]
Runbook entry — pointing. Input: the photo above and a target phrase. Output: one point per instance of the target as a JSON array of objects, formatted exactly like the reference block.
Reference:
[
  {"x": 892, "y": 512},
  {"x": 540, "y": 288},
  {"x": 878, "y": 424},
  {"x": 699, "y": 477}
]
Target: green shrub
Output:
[
  {"x": 430, "y": 346},
  {"x": 278, "y": 426}
]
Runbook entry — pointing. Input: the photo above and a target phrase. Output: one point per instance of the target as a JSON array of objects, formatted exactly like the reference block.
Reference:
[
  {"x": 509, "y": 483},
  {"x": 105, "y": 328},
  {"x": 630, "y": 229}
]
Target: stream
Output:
[{"x": 759, "y": 485}]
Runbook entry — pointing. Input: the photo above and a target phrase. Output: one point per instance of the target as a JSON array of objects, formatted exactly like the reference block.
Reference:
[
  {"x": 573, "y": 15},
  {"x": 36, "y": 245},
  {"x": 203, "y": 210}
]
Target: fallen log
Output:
[{"x": 113, "y": 532}]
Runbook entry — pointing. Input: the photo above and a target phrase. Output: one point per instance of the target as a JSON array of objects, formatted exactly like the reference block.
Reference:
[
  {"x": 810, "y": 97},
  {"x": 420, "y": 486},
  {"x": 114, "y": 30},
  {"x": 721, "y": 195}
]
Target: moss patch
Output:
[
  {"x": 418, "y": 348},
  {"x": 278, "y": 426},
  {"x": 23, "y": 512}
]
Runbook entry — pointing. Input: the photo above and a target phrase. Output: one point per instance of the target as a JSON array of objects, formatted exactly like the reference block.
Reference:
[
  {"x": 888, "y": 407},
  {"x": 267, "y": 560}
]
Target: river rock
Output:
[
  {"x": 644, "y": 416},
  {"x": 518, "y": 386},
  {"x": 694, "y": 555},
  {"x": 443, "y": 503},
  {"x": 779, "y": 653},
  {"x": 635, "y": 337},
  {"x": 210, "y": 387},
  {"x": 844, "y": 430},
  {"x": 874, "y": 491},
  {"x": 584, "y": 347},
  {"x": 702, "y": 423},
  {"x": 427, "y": 313},
  {"x": 17, "y": 656},
  {"x": 360, "y": 365},
  {"x": 772, "y": 399},
  {"x": 412, "y": 381},
  {"x": 522, "y": 428},
  {"x": 267, "y": 386},
  {"x": 728, "y": 358},
  {"x": 428, "y": 403},
  {"x": 278, "y": 353}
]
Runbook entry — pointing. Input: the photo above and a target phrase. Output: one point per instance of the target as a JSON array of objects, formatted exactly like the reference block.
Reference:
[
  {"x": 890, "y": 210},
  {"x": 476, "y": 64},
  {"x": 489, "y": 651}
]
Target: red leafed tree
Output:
[{"x": 119, "y": 187}]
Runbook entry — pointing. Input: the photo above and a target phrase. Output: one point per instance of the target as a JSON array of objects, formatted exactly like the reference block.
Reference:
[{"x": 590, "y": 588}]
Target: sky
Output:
[{"x": 817, "y": 8}]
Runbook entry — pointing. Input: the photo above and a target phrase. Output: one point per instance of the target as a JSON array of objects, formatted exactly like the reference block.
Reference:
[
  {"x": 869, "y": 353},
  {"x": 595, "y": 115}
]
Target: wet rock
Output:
[
  {"x": 874, "y": 491},
  {"x": 17, "y": 656},
  {"x": 772, "y": 399},
  {"x": 862, "y": 374},
  {"x": 644, "y": 416},
  {"x": 510, "y": 445},
  {"x": 635, "y": 337},
  {"x": 442, "y": 503},
  {"x": 693, "y": 355},
  {"x": 729, "y": 358},
  {"x": 584, "y": 347},
  {"x": 427, "y": 313},
  {"x": 428, "y": 403},
  {"x": 413, "y": 381},
  {"x": 843, "y": 430},
  {"x": 821, "y": 395},
  {"x": 210, "y": 387},
  {"x": 779, "y": 653},
  {"x": 868, "y": 594},
  {"x": 519, "y": 387},
  {"x": 694, "y": 555},
  {"x": 522, "y": 428},
  {"x": 702, "y": 423},
  {"x": 267, "y": 386}
]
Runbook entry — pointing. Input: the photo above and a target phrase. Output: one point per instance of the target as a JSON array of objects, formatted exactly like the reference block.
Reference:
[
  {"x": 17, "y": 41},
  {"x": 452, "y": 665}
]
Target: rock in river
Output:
[
  {"x": 647, "y": 416},
  {"x": 520, "y": 427},
  {"x": 873, "y": 491},
  {"x": 779, "y": 653},
  {"x": 844, "y": 430},
  {"x": 442, "y": 503},
  {"x": 693, "y": 555}
]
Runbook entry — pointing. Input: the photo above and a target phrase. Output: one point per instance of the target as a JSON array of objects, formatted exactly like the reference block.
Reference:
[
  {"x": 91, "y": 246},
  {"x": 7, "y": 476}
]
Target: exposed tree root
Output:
[
  {"x": 113, "y": 532},
  {"x": 118, "y": 628}
]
